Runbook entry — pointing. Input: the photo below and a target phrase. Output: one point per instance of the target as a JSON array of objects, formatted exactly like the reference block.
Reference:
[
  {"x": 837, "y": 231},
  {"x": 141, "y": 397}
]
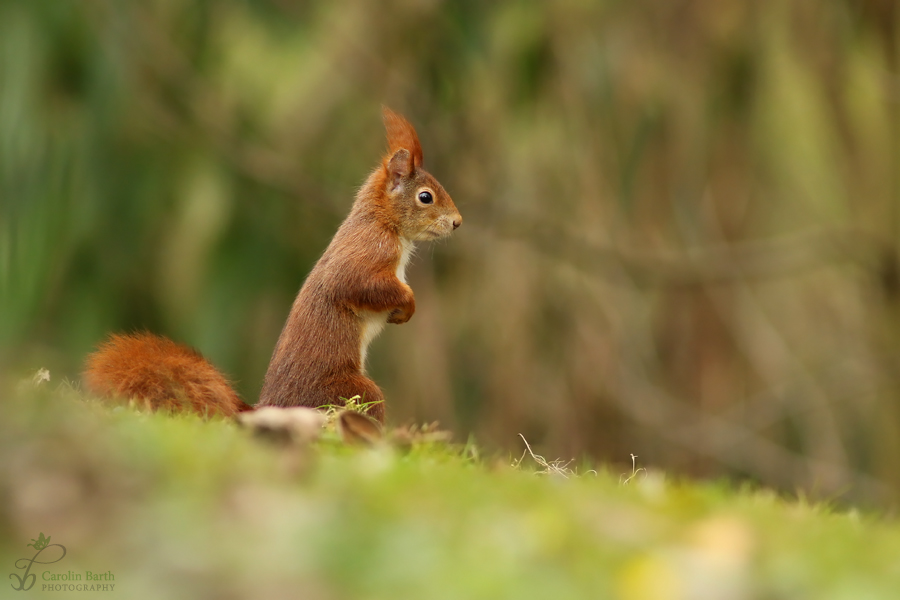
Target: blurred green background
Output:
[{"x": 681, "y": 218}]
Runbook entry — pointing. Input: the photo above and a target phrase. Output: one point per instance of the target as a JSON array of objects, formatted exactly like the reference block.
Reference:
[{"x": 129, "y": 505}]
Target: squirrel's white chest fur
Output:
[{"x": 372, "y": 322}]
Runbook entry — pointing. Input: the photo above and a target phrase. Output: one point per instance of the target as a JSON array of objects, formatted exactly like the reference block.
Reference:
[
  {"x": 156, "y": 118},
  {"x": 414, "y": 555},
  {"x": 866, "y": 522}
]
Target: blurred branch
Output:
[
  {"x": 720, "y": 263},
  {"x": 735, "y": 446}
]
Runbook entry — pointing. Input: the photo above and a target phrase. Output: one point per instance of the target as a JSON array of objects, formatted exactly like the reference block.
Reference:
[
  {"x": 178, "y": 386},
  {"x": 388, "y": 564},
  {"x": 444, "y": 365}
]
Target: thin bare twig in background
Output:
[{"x": 771, "y": 258}]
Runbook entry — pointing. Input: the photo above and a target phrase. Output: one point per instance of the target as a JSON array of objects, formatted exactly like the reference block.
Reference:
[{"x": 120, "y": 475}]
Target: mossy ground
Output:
[{"x": 181, "y": 507}]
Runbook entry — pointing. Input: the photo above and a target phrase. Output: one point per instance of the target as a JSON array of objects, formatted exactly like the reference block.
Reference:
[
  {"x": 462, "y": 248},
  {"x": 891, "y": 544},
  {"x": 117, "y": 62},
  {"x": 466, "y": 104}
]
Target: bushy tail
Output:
[{"x": 161, "y": 374}]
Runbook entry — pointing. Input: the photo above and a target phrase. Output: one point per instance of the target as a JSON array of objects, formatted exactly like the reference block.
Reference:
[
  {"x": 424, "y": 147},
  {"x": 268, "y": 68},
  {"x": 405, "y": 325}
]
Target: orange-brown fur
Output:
[
  {"x": 353, "y": 290},
  {"x": 160, "y": 373},
  {"x": 318, "y": 357}
]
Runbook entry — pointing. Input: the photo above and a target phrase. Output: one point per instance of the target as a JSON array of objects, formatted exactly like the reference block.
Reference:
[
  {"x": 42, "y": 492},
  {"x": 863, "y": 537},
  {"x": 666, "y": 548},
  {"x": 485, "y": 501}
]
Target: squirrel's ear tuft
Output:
[
  {"x": 399, "y": 167},
  {"x": 401, "y": 135}
]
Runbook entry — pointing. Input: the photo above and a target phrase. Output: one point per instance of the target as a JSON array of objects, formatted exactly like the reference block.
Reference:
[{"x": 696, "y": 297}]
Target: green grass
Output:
[{"x": 179, "y": 507}]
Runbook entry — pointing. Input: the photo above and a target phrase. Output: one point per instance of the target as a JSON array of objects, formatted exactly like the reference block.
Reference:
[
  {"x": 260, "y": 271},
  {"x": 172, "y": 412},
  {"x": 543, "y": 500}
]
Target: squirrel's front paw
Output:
[{"x": 399, "y": 316}]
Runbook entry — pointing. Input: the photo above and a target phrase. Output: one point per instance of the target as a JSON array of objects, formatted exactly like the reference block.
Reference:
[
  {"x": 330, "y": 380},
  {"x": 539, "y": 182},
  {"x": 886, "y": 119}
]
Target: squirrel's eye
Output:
[{"x": 425, "y": 197}]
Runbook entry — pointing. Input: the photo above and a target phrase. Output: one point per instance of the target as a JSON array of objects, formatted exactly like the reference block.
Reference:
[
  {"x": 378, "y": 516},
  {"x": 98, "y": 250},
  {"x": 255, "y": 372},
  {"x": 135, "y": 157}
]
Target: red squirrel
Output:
[{"x": 356, "y": 287}]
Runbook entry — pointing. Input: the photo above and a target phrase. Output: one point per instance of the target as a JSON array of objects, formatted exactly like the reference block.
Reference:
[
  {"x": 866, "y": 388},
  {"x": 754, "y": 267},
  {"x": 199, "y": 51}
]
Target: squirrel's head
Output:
[{"x": 424, "y": 209}]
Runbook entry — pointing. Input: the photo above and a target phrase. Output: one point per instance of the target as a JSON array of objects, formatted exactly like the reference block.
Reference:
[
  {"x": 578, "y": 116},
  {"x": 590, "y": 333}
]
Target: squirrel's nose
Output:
[{"x": 457, "y": 222}]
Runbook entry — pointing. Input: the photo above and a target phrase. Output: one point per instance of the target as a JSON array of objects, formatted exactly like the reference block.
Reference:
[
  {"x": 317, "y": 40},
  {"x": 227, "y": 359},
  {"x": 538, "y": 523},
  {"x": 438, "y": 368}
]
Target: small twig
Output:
[
  {"x": 634, "y": 471},
  {"x": 557, "y": 467}
]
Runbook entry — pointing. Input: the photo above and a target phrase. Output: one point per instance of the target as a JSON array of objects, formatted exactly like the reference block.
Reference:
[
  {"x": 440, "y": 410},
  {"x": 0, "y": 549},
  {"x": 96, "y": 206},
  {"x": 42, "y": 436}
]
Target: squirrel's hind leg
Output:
[{"x": 358, "y": 384}]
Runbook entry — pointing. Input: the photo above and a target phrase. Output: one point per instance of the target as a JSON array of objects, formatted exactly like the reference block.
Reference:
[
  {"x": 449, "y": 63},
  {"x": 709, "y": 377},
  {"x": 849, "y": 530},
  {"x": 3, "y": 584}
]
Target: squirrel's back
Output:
[{"x": 160, "y": 373}]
